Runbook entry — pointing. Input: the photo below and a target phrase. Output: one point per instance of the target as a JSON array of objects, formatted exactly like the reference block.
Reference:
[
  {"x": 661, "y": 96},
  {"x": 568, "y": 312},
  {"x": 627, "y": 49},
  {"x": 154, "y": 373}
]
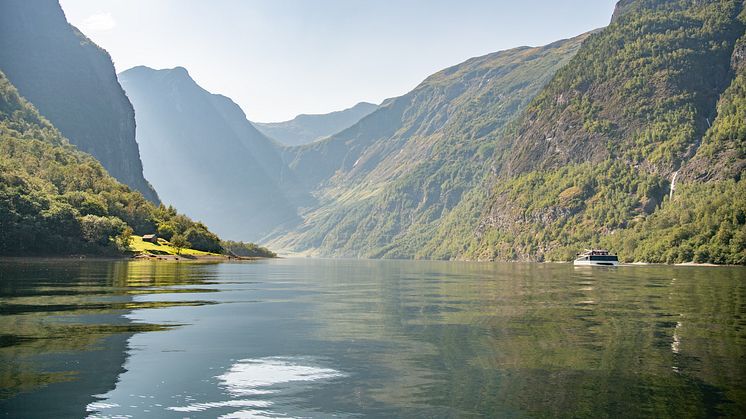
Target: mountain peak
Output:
[
  {"x": 143, "y": 69},
  {"x": 181, "y": 71},
  {"x": 307, "y": 128}
]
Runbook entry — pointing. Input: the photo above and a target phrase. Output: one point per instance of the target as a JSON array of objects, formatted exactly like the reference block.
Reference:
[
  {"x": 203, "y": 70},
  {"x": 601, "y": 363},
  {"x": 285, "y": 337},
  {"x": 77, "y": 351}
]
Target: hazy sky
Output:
[{"x": 279, "y": 58}]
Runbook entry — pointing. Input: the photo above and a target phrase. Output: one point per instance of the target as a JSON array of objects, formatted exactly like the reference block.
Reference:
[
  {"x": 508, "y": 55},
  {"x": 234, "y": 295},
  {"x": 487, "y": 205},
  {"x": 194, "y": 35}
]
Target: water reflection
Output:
[
  {"x": 63, "y": 334},
  {"x": 524, "y": 339},
  {"x": 322, "y": 338}
]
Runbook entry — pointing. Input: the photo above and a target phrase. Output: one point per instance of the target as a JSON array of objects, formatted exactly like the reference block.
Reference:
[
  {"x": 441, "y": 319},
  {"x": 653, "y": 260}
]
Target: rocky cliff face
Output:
[
  {"x": 722, "y": 154},
  {"x": 642, "y": 90},
  {"x": 72, "y": 82}
]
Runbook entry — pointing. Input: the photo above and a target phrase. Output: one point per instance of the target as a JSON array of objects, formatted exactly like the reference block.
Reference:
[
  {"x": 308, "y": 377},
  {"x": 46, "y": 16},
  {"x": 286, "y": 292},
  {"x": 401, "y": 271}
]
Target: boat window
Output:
[{"x": 606, "y": 258}]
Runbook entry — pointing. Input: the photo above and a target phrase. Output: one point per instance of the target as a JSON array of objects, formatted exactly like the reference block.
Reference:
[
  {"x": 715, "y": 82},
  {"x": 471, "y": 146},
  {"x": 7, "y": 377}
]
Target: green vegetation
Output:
[
  {"x": 242, "y": 249},
  {"x": 488, "y": 173},
  {"x": 551, "y": 215},
  {"x": 55, "y": 199},
  {"x": 704, "y": 223},
  {"x": 526, "y": 154},
  {"x": 595, "y": 153},
  {"x": 405, "y": 167},
  {"x": 72, "y": 82},
  {"x": 179, "y": 242},
  {"x": 641, "y": 90},
  {"x": 177, "y": 246}
]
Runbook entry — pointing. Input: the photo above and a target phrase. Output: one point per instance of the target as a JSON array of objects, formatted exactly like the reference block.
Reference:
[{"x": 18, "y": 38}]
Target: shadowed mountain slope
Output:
[
  {"x": 57, "y": 200},
  {"x": 72, "y": 82},
  {"x": 206, "y": 158}
]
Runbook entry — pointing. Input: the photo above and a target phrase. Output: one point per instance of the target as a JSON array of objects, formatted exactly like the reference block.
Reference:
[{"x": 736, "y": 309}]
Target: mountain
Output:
[
  {"x": 55, "y": 199},
  {"x": 72, "y": 82},
  {"x": 637, "y": 145},
  {"x": 385, "y": 183},
  {"x": 304, "y": 129},
  {"x": 206, "y": 158},
  {"x": 631, "y": 138}
]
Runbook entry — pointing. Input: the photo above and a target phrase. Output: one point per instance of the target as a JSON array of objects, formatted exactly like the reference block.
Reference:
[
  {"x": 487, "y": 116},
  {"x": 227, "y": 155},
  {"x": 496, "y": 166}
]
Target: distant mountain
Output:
[
  {"x": 304, "y": 129},
  {"x": 386, "y": 183},
  {"x": 72, "y": 82},
  {"x": 55, "y": 199},
  {"x": 206, "y": 158}
]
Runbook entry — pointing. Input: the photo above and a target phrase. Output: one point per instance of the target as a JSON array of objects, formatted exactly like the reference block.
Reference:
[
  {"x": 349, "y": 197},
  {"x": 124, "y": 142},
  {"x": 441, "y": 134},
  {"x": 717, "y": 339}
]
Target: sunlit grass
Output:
[{"x": 139, "y": 246}]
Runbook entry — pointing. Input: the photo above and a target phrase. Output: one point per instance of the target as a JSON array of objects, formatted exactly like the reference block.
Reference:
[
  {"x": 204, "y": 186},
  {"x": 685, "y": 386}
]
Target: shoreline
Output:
[
  {"x": 195, "y": 258},
  {"x": 125, "y": 257},
  {"x": 227, "y": 258}
]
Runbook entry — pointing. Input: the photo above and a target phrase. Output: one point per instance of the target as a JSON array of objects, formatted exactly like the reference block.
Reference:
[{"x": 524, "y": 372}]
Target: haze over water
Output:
[{"x": 350, "y": 338}]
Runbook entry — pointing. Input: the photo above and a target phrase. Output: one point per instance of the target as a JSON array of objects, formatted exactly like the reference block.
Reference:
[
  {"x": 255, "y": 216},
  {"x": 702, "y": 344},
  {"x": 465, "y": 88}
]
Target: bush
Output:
[
  {"x": 100, "y": 230},
  {"x": 202, "y": 239},
  {"x": 179, "y": 242},
  {"x": 247, "y": 249}
]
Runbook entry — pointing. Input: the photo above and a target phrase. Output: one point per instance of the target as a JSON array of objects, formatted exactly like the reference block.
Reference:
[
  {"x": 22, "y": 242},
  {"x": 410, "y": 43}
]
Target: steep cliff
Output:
[
  {"x": 72, "y": 82},
  {"x": 55, "y": 199}
]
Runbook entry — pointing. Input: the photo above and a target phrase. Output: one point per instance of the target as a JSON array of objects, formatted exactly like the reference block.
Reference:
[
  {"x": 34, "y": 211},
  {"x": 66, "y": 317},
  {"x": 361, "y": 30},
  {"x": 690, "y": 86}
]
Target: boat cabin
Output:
[{"x": 597, "y": 257}]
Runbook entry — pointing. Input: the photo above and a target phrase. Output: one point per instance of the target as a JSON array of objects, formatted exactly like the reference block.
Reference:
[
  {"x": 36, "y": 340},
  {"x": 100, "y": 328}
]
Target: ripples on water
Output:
[{"x": 323, "y": 338}]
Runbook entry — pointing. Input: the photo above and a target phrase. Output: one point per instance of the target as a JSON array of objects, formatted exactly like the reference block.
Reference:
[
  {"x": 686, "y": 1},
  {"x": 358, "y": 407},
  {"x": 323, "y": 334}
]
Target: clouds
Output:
[{"x": 99, "y": 22}]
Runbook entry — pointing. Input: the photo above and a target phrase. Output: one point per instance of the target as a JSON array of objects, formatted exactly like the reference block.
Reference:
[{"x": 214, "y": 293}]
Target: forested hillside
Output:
[
  {"x": 55, "y": 199},
  {"x": 594, "y": 156},
  {"x": 72, "y": 82},
  {"x": 385, "y": 183}
]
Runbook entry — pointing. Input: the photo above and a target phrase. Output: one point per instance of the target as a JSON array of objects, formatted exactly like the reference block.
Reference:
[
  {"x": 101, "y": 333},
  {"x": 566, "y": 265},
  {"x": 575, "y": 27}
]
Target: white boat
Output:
[{"x": 596, "y": 257}]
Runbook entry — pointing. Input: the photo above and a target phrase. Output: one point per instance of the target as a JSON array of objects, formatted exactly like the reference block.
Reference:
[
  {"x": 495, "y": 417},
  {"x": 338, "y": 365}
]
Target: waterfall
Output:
[{"x": 673, "y": 183}]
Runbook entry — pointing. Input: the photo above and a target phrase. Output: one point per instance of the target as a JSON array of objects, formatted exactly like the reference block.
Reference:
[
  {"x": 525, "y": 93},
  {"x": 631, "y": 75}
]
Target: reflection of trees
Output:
[
  {"x": 63, "y": 336},
  {"x": 546, "y": 340}
]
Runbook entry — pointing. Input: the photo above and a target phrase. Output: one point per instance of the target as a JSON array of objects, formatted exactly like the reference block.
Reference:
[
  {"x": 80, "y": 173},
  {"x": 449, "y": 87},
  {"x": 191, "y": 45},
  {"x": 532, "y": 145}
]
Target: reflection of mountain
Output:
[
  {"x": 378, "y": 338},
  {"x": 63, "y": 334},
  {"x": 496, "y": 340}
]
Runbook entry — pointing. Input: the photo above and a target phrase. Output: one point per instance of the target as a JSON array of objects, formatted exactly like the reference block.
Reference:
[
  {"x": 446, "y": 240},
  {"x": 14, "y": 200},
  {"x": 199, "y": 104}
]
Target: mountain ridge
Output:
[
  {"x": 308, "y": 128},
  {"x": 395, "y": 173}
]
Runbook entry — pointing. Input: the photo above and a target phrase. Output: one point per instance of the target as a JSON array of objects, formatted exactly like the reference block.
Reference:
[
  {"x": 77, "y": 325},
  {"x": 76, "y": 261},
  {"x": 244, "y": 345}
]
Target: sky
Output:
[{"x": 281, "y": 58}]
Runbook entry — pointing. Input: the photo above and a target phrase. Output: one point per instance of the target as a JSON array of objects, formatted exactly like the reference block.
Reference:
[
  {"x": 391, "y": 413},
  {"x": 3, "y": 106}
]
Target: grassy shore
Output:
[{"x": 164, "y": 250}]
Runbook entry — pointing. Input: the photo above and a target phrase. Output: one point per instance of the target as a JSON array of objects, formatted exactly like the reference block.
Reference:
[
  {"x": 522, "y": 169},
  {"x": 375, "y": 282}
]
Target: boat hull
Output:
[{"x": 596, "y": 263}]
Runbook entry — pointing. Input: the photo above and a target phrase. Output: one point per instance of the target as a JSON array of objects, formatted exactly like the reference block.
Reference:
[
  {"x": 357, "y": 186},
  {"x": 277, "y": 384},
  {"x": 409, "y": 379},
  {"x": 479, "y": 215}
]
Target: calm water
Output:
[{"x": 338, "y": 338}]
